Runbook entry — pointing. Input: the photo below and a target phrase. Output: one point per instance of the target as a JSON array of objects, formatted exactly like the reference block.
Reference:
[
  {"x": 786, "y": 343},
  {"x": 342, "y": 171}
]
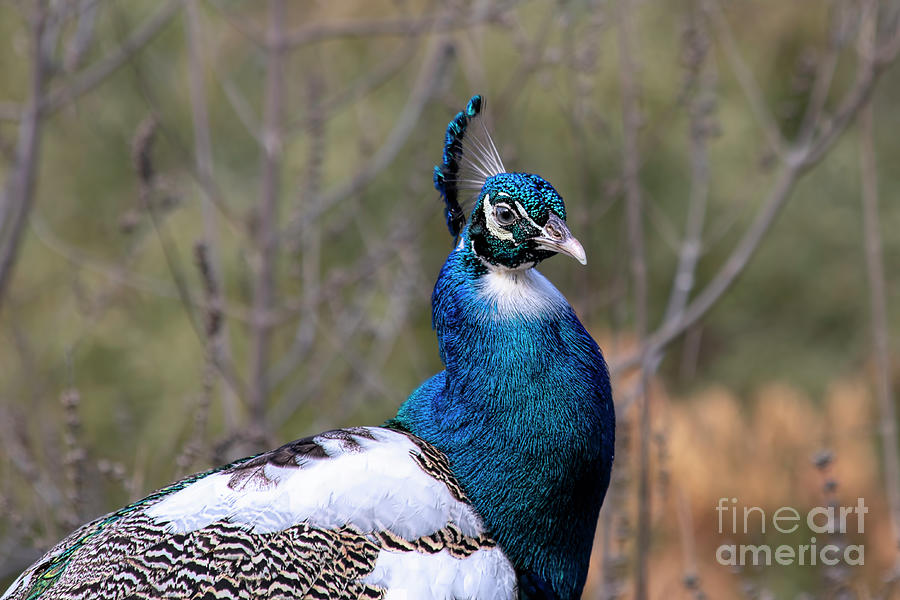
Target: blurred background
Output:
[{"x": 218, "y": 233}]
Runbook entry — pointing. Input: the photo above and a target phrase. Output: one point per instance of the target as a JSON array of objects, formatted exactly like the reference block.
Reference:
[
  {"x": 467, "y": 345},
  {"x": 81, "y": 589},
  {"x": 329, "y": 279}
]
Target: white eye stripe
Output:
[
  {"x": 491, "y": 221},
  {"x": 525, "y": 214}
]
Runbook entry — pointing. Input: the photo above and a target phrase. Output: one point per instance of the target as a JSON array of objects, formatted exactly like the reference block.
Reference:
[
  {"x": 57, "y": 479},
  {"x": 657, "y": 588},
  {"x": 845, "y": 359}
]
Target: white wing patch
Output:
[
  {"x": 519, "y": 292},
  {"x": 371, "y": 508},
  {"x": 374, "y": 485},
  {"x": 486, "y": 575}
]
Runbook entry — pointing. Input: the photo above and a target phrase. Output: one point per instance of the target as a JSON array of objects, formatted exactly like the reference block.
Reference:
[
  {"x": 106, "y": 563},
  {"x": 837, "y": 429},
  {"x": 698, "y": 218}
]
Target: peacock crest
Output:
[{"x": 470, "y": 158}]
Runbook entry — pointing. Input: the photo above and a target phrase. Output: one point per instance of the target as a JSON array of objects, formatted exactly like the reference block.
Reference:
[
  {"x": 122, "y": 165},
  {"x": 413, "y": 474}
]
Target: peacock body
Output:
[{"x": 486, "y": 485}]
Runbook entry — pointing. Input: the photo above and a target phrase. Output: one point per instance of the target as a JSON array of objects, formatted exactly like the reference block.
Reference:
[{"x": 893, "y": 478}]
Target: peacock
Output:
[{"x": 486, "y": 485}]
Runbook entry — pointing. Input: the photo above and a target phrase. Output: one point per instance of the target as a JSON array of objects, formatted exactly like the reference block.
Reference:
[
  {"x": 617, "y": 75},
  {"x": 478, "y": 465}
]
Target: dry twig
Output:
[
  {"x": 631, "y": 122},
  {"x": 18, "y": 190},
  {"x": 890, "y": 444}
]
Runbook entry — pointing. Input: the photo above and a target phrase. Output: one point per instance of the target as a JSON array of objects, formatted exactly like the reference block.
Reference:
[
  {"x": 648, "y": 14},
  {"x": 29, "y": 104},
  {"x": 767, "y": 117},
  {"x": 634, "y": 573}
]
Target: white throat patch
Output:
[{"x": 520, "y": 292}]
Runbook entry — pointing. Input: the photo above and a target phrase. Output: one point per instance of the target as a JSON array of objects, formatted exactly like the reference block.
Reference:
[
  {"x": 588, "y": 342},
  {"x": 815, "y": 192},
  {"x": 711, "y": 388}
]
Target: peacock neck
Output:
[{"x": 523, "y": 411}]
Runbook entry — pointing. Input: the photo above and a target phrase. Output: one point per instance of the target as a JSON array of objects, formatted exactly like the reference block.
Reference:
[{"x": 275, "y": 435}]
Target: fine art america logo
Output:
[{"x": 830, "y": 522}]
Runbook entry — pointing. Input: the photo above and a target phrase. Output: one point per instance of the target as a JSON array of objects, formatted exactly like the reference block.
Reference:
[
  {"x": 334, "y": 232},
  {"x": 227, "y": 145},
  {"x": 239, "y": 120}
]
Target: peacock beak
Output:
[{"x": 557, "y": 238}]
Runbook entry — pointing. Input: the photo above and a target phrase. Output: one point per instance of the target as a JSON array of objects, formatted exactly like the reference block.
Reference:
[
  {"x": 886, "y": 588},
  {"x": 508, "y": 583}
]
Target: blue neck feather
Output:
[{"x": 524, "y": 412}]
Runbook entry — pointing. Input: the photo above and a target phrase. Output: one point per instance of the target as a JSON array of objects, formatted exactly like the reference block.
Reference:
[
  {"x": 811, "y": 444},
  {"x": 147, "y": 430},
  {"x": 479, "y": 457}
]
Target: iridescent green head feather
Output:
[{"x": 519, "y": 220}]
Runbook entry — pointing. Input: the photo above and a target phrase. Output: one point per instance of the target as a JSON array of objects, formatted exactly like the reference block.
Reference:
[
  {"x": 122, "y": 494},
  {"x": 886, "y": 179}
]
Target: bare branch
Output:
[
  {"x": 430, "y": 75},
  {"x": 445, "y": 21},
  {"x": 890, "y": 444},
  {"x": 337, "y": 338},
  {"x": 700, "y": 86},
  {"x": 116, "y": 273},
  {"x": 308, "y": 244},
  {"x": 84, "y": 33},
  {"x": 266, "y": 219},
  {"x": 74, "y": 458},
  {"x": 196, "y": 435},
  {"x": 241, "y": 108},
  {"x": 532, "y": 56},
  {"x": 349, "y": 321},
  {"x": 726, "y": 275},
  {"x": 142, "y": 146},
  {"x": 631, "y": 122},
  {"x": 94, "y": 75},
  {"x": 19, "y": 450},
  {"x": 796, "y": 163},
  {"x": 19, "y": 188},
  {"x": 873, "y": 61},
  {"x": 217, "y": 337},
  {"x": 746, "y": 80},
  {"x": 824, "y": 75},
  {"x": 688, "y": 545},
  {"x": 615, "y": 515},
  {"x": 367, "y": 82}
]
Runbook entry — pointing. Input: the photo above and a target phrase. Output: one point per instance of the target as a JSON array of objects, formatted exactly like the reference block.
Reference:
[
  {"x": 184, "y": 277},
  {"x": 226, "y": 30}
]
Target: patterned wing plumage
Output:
[{"x": 350, "y": 514}]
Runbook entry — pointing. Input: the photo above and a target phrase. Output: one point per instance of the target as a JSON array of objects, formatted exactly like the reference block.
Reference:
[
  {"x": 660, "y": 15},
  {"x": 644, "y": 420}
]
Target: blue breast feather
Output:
[{"x": 524, "y": 412}]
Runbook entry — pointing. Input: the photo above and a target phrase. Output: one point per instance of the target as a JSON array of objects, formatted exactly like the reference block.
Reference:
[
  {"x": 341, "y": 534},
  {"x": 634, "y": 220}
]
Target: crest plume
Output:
[{"x": 467, "y": 162}]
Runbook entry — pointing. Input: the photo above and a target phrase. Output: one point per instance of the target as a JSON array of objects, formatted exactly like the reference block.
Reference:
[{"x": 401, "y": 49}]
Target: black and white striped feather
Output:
[{"x": 360, "y": 513}]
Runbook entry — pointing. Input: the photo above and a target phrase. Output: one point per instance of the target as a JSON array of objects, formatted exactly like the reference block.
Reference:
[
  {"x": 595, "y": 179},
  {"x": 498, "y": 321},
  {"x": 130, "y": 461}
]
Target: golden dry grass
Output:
[{"x": 759, "y": 449}]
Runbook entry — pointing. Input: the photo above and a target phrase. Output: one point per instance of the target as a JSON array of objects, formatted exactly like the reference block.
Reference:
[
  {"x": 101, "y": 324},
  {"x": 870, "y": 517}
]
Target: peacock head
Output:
[{"x": 518, "y": 219}]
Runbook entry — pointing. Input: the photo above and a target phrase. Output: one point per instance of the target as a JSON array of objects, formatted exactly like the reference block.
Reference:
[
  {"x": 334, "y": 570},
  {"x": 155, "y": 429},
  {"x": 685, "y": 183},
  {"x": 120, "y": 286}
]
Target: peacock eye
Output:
[{"x": 504, "y": 214}]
